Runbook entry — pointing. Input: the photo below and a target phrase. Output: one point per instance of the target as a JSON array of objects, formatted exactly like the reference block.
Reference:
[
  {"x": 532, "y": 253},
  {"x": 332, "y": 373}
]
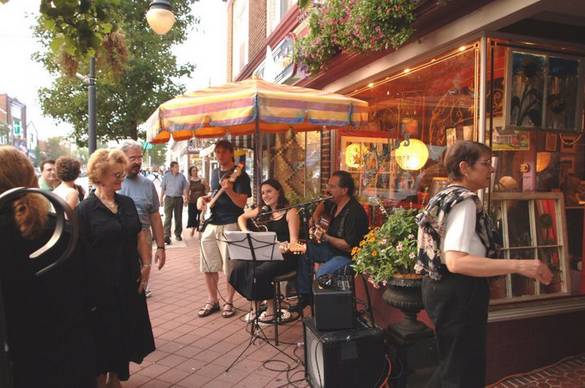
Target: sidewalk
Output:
[{"x": 193, "y": 351}]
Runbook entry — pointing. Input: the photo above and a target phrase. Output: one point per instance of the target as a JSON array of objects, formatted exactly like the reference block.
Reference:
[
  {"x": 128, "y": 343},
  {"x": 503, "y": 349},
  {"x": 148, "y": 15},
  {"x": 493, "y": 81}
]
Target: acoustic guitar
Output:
[
  {"x": 317, "y": 231},
  {"x": 207, "y": 206},
  {"x": 298, "y": 248}
]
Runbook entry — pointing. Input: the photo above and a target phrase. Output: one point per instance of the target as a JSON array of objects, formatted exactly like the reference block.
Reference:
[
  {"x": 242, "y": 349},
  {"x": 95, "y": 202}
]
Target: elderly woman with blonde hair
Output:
[
  {"x": 47, "y": 336},
  {"x": 117, "y": 250}
]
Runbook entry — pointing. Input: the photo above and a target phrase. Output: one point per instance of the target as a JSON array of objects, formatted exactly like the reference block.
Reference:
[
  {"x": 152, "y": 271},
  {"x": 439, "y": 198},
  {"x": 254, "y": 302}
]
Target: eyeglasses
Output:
[
  {"x": 135, "y": 158},
  {"x": 119, "y": 175}
]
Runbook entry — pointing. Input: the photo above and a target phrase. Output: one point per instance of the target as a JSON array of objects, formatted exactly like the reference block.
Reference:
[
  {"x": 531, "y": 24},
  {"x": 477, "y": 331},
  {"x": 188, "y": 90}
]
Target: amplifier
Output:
[
  {"x": 344, "y": 358},
  {"x": 334, "y": 307}
]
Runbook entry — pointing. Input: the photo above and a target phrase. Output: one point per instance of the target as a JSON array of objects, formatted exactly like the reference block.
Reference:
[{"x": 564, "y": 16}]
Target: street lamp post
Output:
[{"x": 91, "y": 97}]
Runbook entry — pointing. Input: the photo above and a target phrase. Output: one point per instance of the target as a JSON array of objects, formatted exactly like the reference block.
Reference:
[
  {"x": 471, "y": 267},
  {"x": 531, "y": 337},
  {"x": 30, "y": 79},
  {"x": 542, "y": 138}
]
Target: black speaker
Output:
[
  {"x": 334, "y": 307},
  {"x": 344, "y": 358}
]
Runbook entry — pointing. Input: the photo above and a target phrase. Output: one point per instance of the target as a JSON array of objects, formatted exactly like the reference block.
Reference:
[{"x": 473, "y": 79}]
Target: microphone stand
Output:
[{"x": 301, "y": 205}]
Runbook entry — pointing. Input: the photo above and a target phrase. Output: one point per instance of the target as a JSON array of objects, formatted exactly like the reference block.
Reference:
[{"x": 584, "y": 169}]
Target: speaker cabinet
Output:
[
  {"x": 334, "y": 308},
  {"x": 344, "y": 358}
]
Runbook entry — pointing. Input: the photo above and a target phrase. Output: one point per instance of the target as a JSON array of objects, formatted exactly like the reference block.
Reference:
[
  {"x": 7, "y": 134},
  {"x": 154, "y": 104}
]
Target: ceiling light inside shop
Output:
[{"x": 462, "y": 48}]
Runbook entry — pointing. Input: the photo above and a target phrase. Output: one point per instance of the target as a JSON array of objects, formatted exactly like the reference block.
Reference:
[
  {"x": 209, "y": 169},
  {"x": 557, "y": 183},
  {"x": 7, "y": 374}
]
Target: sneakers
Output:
[
  {"x": 179, "y": 238},
  {"x": 304, "y": 301},
  {"x": 168, "y": 240}
]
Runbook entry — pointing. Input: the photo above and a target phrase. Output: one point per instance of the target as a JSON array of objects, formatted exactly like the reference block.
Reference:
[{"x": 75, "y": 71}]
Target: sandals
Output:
[
  {"x": 228, "y": 310},
  {"x": 208, "y": 309},
  {"x": 266, "y": 318}
]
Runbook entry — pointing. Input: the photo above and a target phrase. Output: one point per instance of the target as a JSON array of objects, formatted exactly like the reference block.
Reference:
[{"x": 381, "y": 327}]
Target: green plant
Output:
[
  {"x": 355, "y": 26},
  {"x": 389, "y": 249}
]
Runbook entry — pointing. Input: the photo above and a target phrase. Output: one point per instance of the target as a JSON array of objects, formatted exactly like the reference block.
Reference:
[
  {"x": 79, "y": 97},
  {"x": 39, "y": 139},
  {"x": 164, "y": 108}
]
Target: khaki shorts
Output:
[{"x": 214, "y": 249}]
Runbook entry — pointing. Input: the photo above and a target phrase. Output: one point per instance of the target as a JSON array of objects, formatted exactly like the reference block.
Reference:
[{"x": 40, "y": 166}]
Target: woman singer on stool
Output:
[{"x": 286, "y": 224}]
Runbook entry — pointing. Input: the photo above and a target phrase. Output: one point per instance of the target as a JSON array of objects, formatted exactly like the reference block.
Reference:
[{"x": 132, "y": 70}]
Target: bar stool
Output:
[{"x": 278, "y": 298}]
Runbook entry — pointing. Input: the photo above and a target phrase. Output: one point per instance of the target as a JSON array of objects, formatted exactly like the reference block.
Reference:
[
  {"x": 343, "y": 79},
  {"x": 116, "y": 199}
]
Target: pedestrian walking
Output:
[{"x": 173, "y": 196}]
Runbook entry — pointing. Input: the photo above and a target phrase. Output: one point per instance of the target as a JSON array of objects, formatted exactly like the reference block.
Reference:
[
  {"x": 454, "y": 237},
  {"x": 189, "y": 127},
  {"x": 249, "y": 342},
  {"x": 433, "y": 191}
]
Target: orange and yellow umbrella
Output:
[{"x": 252, "y": 106}]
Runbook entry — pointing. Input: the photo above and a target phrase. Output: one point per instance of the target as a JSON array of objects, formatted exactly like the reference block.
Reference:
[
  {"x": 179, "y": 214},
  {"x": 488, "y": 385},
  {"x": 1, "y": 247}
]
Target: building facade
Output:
[
  {"x": 13, "y": 122},
  {"x": 506, "y": 73}
]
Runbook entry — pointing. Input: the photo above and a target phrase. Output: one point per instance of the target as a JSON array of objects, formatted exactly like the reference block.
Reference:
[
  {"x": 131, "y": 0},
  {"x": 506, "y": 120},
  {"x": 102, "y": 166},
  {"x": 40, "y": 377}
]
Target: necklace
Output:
[{"x": 109, "y": 203}]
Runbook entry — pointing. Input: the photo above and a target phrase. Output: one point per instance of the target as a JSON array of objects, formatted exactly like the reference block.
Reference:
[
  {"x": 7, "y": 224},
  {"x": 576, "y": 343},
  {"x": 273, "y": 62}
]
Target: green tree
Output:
[
  {"x": 157, "y": 154},
  {"x": 125, "y": 98},
  {"x": 54, "y": 147}
]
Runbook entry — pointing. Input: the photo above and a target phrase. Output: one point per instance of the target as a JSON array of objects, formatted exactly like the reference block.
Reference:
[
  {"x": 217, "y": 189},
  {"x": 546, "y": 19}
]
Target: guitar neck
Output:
[{"x": 215, "y": 198}]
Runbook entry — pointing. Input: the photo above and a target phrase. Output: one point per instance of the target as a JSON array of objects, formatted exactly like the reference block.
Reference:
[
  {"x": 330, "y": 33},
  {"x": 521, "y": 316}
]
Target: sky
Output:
[{"x": 21, "y": 77}]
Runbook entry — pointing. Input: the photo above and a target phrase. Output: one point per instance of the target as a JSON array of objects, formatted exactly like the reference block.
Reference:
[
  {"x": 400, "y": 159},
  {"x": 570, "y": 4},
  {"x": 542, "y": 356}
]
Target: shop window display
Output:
[
  {"x": 532, "y": 226},
  {"x": 434, "y": 102}
]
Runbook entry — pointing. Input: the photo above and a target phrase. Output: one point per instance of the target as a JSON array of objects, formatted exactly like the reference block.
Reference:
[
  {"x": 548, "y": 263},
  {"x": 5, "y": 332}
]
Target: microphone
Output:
[{"x": 267, "y": 211}]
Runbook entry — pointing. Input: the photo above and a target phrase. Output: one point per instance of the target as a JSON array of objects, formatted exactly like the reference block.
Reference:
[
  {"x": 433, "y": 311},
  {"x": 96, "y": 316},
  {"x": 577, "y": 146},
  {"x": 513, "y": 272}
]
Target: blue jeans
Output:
[{"x": 318, "y": 253}]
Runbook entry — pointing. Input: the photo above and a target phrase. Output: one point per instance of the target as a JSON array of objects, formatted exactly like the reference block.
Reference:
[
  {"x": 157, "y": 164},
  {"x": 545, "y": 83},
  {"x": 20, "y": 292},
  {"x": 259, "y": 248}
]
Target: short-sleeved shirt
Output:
[
  {"x": 174, "y": 185},
  {"x": 144, "y": 195},
  {"x": 351, "y": 224},
  {"x": 460, "y": 231},
  {"x": 44, "y": 185},
  {"x": 225, "y": 211}
]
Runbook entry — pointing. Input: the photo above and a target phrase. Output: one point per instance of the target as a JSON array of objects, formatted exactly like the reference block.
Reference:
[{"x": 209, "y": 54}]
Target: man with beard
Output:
[{"x": 145, "y": 197}]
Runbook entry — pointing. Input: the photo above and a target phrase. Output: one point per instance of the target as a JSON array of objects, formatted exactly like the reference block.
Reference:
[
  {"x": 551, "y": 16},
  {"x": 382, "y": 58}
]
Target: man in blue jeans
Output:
[{"x": 348, "y": 223}]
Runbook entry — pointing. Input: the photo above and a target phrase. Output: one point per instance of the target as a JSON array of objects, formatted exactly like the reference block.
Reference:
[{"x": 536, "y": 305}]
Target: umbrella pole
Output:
[{"x": 258, "y": 159}]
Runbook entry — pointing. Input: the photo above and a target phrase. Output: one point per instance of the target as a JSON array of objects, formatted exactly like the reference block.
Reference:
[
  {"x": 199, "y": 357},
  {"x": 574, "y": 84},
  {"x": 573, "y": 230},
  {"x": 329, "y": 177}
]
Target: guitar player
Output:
[
  {"x": 348, "y": 223},
  {"x": 224, "y": 215}
]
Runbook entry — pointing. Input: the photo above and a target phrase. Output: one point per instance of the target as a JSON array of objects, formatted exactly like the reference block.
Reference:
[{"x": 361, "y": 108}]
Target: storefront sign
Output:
[{"x": 279, "y": 64}]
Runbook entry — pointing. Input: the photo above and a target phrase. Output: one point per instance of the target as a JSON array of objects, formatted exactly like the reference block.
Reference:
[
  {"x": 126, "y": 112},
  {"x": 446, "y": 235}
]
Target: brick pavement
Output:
[{"x": 193, "y": 351}]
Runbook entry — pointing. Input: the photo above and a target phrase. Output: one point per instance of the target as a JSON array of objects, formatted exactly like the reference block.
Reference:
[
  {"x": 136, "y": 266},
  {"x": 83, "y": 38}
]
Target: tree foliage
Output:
[{"x": 125, "y": 100}]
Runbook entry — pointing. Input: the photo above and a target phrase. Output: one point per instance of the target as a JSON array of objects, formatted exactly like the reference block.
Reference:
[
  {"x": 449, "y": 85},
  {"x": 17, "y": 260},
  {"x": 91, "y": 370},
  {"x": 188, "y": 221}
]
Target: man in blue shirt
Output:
[
  {"x": 173, "y": 195},
  {"x": 145, "y": 197}
]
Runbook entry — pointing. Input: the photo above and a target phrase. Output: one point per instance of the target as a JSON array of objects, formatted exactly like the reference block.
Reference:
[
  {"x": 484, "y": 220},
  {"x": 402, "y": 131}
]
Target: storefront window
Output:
[
  {"x": 534, "y": 124},
  {"x": 294, "y": 159},
  {"x": 434, "y": 102}
]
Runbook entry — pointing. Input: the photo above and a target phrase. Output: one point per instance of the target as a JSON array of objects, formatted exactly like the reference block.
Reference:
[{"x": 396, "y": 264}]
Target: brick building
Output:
[
  {"x": 13, "y": 122},
  {"x": 458, "y": 77}
]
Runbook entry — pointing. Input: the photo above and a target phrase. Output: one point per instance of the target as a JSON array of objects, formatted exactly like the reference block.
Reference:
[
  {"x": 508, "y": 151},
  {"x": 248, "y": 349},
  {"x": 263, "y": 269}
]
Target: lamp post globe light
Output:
[{"x": 160, "y": 16}]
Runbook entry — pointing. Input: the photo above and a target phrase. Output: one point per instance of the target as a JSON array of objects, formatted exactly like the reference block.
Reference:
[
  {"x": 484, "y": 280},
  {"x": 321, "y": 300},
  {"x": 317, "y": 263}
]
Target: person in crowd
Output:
[
  {"x": 48, "y": 180},
  {"x": 116, "y": 247},
  {"x": 68, "y": 170},
  {"x": 286, "y": 224},
  {"x": 456, "y": 240},
  {"x": 348, "y": 223},
  {"x": 173, "y": 196},
  {"x": 46, "y": 317},
  {"x": 197, "y": 188},
  {"x": 224, "y": 215},
  {"x": 145, "y": 197}
]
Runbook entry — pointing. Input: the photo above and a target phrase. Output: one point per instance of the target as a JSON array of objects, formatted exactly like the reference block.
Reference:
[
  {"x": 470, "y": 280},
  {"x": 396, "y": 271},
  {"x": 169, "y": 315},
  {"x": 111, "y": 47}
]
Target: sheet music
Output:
[{"x": 265, "y": 244}]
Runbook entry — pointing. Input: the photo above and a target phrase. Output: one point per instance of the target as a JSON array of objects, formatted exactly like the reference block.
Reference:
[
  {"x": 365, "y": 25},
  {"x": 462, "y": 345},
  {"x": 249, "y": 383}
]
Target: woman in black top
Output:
[
  {"x": 197, "y": 188},
  {"x": 286, "y": 224},
  {"x": 116, "y": 248},
  {"x": 46, "y": 317}
]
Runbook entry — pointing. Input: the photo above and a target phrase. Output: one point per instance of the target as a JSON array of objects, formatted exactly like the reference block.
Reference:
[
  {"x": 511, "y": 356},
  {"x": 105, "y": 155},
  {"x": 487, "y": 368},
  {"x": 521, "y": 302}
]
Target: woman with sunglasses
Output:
[{"x": 119, "y": 257}]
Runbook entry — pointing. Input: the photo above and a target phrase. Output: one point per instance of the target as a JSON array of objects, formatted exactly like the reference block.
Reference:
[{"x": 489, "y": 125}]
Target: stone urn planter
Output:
[{"x": 404, "y": 293}]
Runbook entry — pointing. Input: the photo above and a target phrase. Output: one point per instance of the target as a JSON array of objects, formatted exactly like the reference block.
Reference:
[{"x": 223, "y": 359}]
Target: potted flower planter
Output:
[{"x": 404, "y": 293}]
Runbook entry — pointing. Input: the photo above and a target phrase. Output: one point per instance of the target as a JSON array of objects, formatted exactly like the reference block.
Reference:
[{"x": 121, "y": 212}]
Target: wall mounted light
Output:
[{"x": 160, "y": 16}]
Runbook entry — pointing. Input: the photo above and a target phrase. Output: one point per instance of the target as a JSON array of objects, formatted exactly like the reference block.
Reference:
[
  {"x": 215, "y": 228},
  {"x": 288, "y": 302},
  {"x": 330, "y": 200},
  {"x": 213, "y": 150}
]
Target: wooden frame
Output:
[
  {"x": 557, "y": 248},
  {"x": 545, "y": 89}
]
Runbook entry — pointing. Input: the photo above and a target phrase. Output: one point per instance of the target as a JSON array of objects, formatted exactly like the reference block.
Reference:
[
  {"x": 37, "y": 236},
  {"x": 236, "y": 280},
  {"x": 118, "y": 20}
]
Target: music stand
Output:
[{"x": 254, "y": 247}]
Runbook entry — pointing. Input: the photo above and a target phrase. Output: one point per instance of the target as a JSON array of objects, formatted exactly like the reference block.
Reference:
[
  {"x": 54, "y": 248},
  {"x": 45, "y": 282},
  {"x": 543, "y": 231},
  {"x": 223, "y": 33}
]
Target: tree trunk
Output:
[{"x": 134, "y": 131}]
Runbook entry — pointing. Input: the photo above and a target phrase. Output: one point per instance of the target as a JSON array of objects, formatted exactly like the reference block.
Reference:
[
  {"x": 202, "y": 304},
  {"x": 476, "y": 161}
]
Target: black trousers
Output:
[{"x": 458, "y": 307}]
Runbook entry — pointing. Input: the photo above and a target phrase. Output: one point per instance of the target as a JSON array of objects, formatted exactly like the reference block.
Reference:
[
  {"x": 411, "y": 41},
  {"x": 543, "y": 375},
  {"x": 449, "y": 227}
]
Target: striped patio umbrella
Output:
[
  {"x": 242, "y": 108},
  {"x": 252, "y": 107}
]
